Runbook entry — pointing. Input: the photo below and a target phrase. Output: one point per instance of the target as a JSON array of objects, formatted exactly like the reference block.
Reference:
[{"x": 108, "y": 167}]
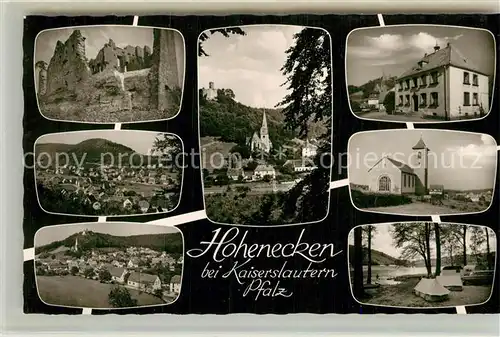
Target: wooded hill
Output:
[
  {"x": 378, "y": 258},
  {"x": 369, "y": 87},
  {"x": 232, "y": 121},
  {"x": 171, "y": 242},
  {"x": 90, "y": 151}
]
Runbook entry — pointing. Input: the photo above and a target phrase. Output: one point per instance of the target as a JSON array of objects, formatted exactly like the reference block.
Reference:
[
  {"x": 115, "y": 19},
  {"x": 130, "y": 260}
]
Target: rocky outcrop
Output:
[
  {"x": 41, "y": 69},
  {"x": 68, "y": 66}
]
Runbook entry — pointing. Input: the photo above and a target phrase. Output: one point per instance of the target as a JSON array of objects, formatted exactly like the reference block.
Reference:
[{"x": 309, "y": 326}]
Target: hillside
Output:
[
  {"x": 369, "y": 87},
  {"x": 171, "y": 243},
  {"x": 90, "y": 151},
  {"x": 233, "y": 122},
  {"x": 457, "y": 259},
  {"x": 378, "y": 258}
]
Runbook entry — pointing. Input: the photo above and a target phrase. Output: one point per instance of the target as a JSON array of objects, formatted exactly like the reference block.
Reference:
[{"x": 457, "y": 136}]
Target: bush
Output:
[{"x": 362, "y": 200}]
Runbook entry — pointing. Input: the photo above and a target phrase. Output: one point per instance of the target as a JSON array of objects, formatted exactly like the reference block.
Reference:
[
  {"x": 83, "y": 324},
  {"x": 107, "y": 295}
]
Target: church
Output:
[
  {"x": 391, "y": 176},
  {"x": 261, "y": 142}
]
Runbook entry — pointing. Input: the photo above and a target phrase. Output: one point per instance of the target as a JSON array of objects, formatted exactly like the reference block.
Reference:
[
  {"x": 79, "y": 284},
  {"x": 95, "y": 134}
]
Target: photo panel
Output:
[
  {"x": 420, "y": 73},
  {"x": 422, "y": 264},
  {"x": 265, "y": 123},
  {"x": 108, "y": 265},
  {"x": 422, "y": 172},
  {"x": 109, "y": 172},
  {"x": 109, "y": 74}
]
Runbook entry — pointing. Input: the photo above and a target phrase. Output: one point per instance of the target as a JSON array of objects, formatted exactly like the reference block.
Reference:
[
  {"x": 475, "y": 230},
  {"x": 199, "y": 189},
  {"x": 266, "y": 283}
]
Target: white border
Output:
[
  {"x": 431, "y": 121},
  {"x": 97, "y": 224},
  {"x": 438, "y": 307},
  {"x": 99, "y": 216},
  {"x": 199, "y": 132},
  {"x": 132, "y": 27},
  {"x": 420, "y": 131}
]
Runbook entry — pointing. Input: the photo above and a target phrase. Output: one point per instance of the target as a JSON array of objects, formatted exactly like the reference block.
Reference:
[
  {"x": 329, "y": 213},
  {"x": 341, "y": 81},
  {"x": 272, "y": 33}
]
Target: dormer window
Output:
[{"x": 422, "y": 63}]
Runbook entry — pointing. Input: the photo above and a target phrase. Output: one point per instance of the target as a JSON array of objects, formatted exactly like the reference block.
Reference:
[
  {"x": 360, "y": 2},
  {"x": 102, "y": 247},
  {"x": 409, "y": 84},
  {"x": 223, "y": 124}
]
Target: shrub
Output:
[{"x": 362, "y": 200}]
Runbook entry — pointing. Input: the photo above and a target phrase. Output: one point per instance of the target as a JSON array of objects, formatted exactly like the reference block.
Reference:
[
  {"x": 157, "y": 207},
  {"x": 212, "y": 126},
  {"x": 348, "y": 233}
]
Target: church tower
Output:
[
  {"x": 420, "y": 165},
  {"x": 264, "y": 134}
]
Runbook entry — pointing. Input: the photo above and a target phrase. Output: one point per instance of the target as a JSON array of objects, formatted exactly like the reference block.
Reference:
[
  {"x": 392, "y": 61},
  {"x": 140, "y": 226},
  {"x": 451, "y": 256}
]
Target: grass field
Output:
[
  {"x": 401, "y": 295},
  {"x": 75, "y": 291},
  {"x": 422, "y": 208}
]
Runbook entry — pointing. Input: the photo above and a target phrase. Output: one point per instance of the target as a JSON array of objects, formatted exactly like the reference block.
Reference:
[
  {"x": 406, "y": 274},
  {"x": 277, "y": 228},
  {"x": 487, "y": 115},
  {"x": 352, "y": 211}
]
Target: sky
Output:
[
  {"x": 454, "y": 157},
  {"x": 50, "y": 234},
  {"x": 249, "y": 65},
  {"x": 382, "y": 241},
  {"x": 140, "y": 141},
  {"x": 95, "y": 36},
  {"x": 392, "y": 50}
]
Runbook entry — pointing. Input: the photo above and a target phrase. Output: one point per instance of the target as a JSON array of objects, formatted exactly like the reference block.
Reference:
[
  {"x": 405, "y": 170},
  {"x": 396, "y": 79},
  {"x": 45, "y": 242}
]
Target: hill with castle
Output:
[
  {"x": 222, "y": 116},
  {"x": 120, "y": 85}
]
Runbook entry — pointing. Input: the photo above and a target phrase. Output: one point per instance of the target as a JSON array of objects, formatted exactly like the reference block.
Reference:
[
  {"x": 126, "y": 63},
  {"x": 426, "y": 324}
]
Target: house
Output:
[
  {"x": 144, "y": 281},
  {"x": 262, "y": 171},
  {"x": 309, "y": 150},
  {"x": 436, "y": 190},
  {"x": 175, "y": 284},
  {"x": 133, "y": 263},
  {"x": 118, "y": 274},
  {"x": 299, "y": 165},
  {"x": 235, "y": 173},
  {"x": 445, "y": 85},
  {"x": 127, "y": 204}
]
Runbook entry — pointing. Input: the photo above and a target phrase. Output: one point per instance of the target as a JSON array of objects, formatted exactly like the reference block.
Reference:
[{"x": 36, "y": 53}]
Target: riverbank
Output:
[{"x": 401, "y": 295}]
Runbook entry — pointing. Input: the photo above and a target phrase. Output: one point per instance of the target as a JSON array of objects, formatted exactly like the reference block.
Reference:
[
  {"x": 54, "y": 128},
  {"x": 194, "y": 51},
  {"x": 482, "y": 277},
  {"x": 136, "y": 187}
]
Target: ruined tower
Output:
[
  {"x": 41, "y": 86},
  {"x": 163, "y": 76},
  {"x": 68, "y": 66}
]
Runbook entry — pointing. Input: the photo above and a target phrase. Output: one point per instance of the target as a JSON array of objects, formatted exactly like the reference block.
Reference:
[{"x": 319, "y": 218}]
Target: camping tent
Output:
[
  {"x": 431, "y": 291},
  {"x": 451, "y": 282}
]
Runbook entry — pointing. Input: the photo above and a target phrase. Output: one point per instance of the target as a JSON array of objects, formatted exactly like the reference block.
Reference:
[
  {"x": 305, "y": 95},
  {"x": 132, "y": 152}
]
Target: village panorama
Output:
[
  {"x": 267, "y": 160},
  {"x": 99, "y": 266},
  {"x": 108, "y": 173}
]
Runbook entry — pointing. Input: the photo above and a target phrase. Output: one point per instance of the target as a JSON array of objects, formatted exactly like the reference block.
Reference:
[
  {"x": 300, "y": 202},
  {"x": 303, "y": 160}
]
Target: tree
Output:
[
  {"x": 119, "y": 297},
  {"x": 158, "y": 293},
  {"x": 104, "y": 275},
  {"x": 226, "y": 32},
  {"x": 438, "y": 248},
  {"x": 369, "y": 231},
  {"x": 169, "y": 148},
  {"x": 74, "y": 270},
  {"x": 390, "y": 102},
  {"x": 358, "y": 288},
  {"x": 89, "y": 273},
  {"x": 414, "y": 239},
  {"x": 309, "y": 82}
]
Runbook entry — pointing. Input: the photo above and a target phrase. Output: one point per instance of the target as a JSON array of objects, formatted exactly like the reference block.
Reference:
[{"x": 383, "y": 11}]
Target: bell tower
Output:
[
  {"x": 264, "y": 134},
  {"x": 420, "y": 165}
]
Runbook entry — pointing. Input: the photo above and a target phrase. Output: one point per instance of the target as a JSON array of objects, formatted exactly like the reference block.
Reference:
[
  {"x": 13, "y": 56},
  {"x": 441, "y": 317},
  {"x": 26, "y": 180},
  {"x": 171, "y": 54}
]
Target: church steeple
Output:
[{"x": 264, "y": 124}]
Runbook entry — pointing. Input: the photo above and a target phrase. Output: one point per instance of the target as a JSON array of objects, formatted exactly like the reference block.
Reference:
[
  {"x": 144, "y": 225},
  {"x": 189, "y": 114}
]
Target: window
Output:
[
  {"x": 412, "y": 181},
  {"x": 466, "y": 78},
  {"x": 474, "y": 99},
  {"x": 415, "y": 82},
  {"x": 434, "y": 77},
  {"x": 400, "y": 86},
  {"x": 400, "y": 99},
  {"x": 407, "y": 82},
  {"x": 404, "y": 180},
  {"x": 423, "y": 99},
  {"x": 434, "y": 99},
  {"x": 407, "y": 103},
  {"x": 466, "y": 99},
  {"x": 384, "y": 184},
  {"x": 475, "y": 80},
  {"x": 423, "y": 80}
]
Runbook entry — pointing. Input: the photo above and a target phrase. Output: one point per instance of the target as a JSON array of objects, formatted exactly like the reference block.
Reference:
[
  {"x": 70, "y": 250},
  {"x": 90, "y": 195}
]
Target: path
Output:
[{"x": 416, "y": 208}]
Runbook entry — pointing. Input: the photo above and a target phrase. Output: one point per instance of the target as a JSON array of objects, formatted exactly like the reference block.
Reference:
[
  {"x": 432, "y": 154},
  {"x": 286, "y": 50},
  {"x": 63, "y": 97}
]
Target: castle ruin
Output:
[{"x": 118, "y": 80}]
